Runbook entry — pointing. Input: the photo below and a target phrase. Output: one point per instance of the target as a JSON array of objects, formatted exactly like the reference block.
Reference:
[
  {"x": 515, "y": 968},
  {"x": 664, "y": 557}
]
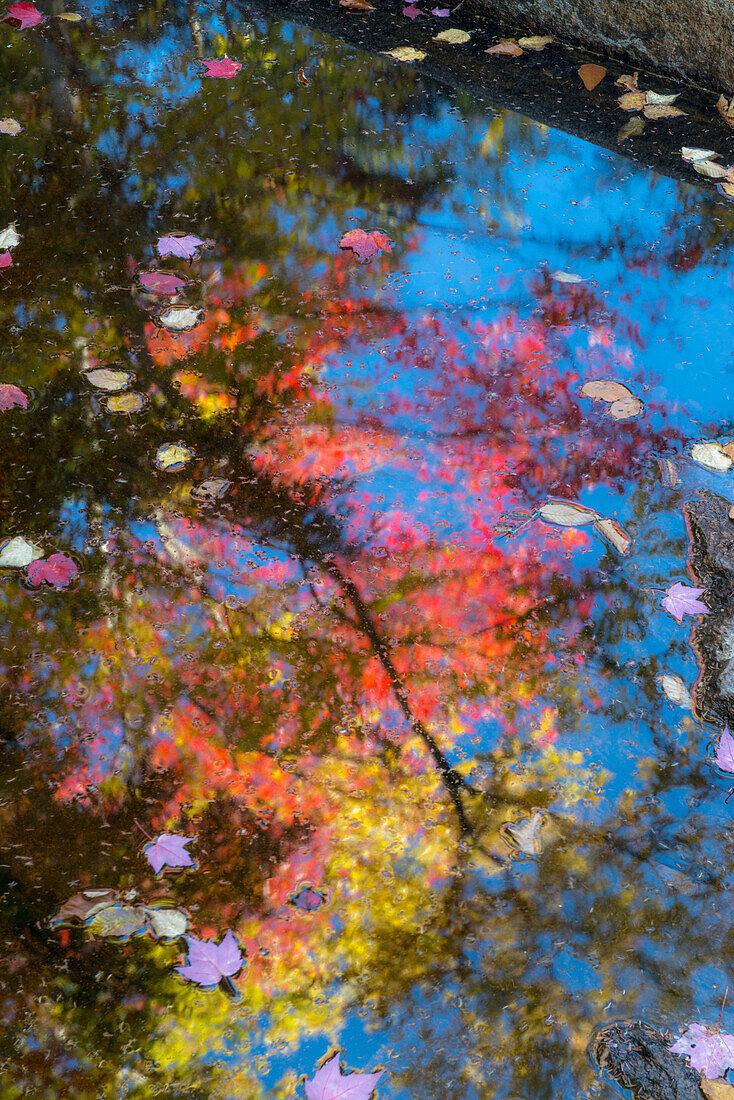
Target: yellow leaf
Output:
[
  {"x": 661, "y": 110},
  {"x": 406, "y": 53},
  {"x": 10, "y": 126},
  {"x": 535, "y": 41},
  {"x": 718, "y": 1089},
  {"x": 453, "y": 35},
  {"x": 632, "y": 101}
]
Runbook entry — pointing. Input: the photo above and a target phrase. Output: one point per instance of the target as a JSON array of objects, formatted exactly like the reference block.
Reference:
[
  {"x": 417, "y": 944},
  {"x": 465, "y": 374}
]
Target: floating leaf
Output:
[
  {"x": 591, "y": 75},
  {"x": 453, "y": 35},
  {"x": 725, "y": 107},
  {"x": 661, "y": 111},
  {"x": 9, "y": 237},
  {"x": 674, "y": 689},
  {"x": 180, "y": 318},
  {"x": 406, "y": 53},
  {"x": 661, "y": 98},
  {"x": 302, "y": 78},
  {"x": 711, "y": 1052},
  {"x": 356, "y": 5},
  {"x": 58, "y": 571},
  {"x": 366, "y": 245},
  {"x": 718, "y": 1089},
  {"x": 632, "y": 128},
  {"x": 711, "y": 455},
  {"x": 117, "y": 920},
  {"x": 211, "y": 489},
  {"x": 329, "y": 1083},
  {"x": 10, "y": 126},
  {"x": 164, "y": 284},
  {"x": 613, "y": 533},
  {"x": 506, "y": 47},
  {"x": 126, "y": 403},
  {"x": 669, "y": 475},
  {"x": 632, "y": 101},
  {"x": 682, "y": 599},
  {"x": 5, "y": 259},
  {"x": 627, "y": 408},
  {"x": 411, "y": 11},
  {"x": 85, "y": 905},
  {"x": 17, "y": 553},
  {"x": 710, "y": 169},
  {"x": 173, "y": 456},
  {"x": 566, "y": 513},
  {"x": 691, "y": 154},
  {"x": 23, "y": 15},
  {"x": 628, "y": 82},
  {"x": 11, "y": 395},
  {"x": 108, "y": 379},
  {"x": 184, "y": 245},
  {"x": 525, "y": 835},
  {"x": 441, "y": 13},
  {"x": 726, "y": 187},
  {"x": 566, "y": 277},
  {"x": 535, "y": 41},
  {"x": 605, "y": 389},
  {"x": 307, "y": 899},
  {"x": 169, "y": 850},
  {"x": 70, "y": 17},
  {"x": 207, "y": 961},
  {"x": 225, "y": 67},
  {"x": 169, "y": 924}
]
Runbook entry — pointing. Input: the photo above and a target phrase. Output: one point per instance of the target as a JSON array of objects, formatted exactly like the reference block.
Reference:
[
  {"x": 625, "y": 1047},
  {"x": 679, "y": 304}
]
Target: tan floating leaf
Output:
[
  {"x": 662, "y": 110},
  {"x": 674, "y": 688},
  {"x": 718, "y": 1089},
  {"x": 566, "y": 277},
  {"x": 117, "y": 921},
  {"x": 661, "y": 98},
  {"x": 167, "y": 923},
  {"x": 70, "y": 17},
  {"x": 726, "y": 187},
  {"x": 710, "y": 169},
  {"x": 605, "y": 389},
  {"x": 627, "y": 408},
  {"x": 173, "y": 456},
  {"x": 356, "y": 5},
  {"x": 725, "y": 107},
  {"x": 406, "y": 53},
  {"x": 632, "y": 101},
  {"x": 692, "y": 154},
  {"x": 591, "y": 75},
  {"x": 453, "y": 35},
  {"x": 126, "y": 403},
  {"x": 628, "y": 82},
  {"x": 613, "y": 533},
  {"x": 566, "y": 513},
  {"x": 10, "y": 126},
  {"x": 211, "y": 489},
  {"x": 633, "y": 127},
  {"x": 180, "y": 318},
  {"x": 711, "y": 455},
  {"x": 506, "y": 47},
  {"x": 535, "y": 41},
  {"x": 105, "y": 378},
  {"x": 525, "y": 834}
]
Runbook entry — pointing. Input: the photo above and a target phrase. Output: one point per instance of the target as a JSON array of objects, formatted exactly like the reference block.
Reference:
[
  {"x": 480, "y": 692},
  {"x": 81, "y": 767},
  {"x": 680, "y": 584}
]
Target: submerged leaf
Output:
[
  {"x": 10, "y": 126},
  {"x": 356, "y": 5},
  {"x": 211, "y": 489},
  {"x": 633, "y": 127},
  {"x": 126, "y": 403},
  {"x": 591, "y": 75},
  {"x": 164, "y": 284},
  {"x": 506, "y": 47},
  {"x": 535, "y": 41},
  {"x": 117, "y": 920},
  {"x": 307, "y": 899},
  {"x": 725, "y": 107},
  {"x": 661, "y": 110},
  {"x": 525, "y": 835},
  {"x": 627, "y": 81}
]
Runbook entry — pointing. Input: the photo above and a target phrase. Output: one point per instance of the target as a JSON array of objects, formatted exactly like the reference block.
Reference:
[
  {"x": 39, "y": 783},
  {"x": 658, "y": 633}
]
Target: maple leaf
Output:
[
  {"x": 440, "y": 13},
  {"x": 207, "y": 961},
  {"x": 162, "y": 283},
  {"x": 221, "y": 66},
  {"x": 680, "y": 600},
  {"x": 23, "y": 15},
  {"x": 58, "y": 570},
  {"x": 366, "y": 245},
  {"x": 710, "y": 1052},
  {"x": 329, "y": 1083},
  {"x": 11, "y": 395},
  {"x": 169, "y": 850},
  {"x": 724, "y": 758},
  {"x": 186, "y": 246},
  {"x": 411, "y": 11}
]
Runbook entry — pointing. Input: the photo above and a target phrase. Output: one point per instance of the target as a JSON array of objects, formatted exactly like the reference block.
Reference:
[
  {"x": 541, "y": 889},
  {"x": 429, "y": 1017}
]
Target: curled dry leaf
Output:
[
  {"x": 692, "y": 154},
  {"x": 18, "y": 552},
  {"x": 506, "y": 47},
  {"x": 674, "y": 688},
  {"x": 406, "y": 53},
  {"x": 173, "y": 456},
  {"x": 627, "y": 408},
  {"x": 669, "y": 475},
  {"x": 627, "y": 81},
  {"x": 605, "y": 389},
  {"x": 535, "y": 41},
  {"x": 117, "y": 921},
  {"x": 10, "y": 126},
  {"x": 725, "y": 107},
  {"x": 591, "y": 75},
  {"x": 525, "y": 835},
  {"x": 711, "y": 455},
  {"x": 181, "y": 318},
  {"x": 632, "y": 101},
  {"x": 452, "y": 35},
  {"x": 614, "y": 534},
  {"x": 566, "y": 513},
  {"x": 632, "y": 128},
  {"x": 126, "y": 403},
  {"x": 661, "y": 110},
  {"x": 108, "y": 379},
  {"x": 85, "y": 905}
]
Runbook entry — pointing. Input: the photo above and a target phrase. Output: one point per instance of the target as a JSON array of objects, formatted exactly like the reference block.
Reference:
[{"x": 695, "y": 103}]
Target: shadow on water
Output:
[{"x": 263, "y": 591}]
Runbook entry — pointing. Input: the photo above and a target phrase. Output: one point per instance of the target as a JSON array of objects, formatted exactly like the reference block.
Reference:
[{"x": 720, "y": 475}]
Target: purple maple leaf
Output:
[
  {"x": 329, "y": 1083},
  {"x": 11, "y": 395},
  {"x": 680, "y": 600},
  {"x": 710, "y": 1052},
  {"x": 724, "y": 758},
  {"x": 207, "y": 961},
  {"x": 169, "y": 850},
  {"x": 186, "y": 246},
  {"x": 411, "y": 11},
  {"x": 440, "y": 13}
]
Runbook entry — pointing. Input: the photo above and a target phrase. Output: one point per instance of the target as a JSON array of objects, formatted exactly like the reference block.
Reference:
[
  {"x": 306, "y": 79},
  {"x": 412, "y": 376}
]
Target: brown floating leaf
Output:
[
  {"x": 628, "y": 82},
  {"x": 592, "y": 75},
  {"x": 632, "y": 101},
  {"x": 86, "y": 904},
  {"x": 661, "y": 110},
  {"x": 303, "y": 79},
  {"x": 356, "y": 5},
  {"x": 10, "y": 126},
  {"x": 613, "y": 533},
  {"x": 729, "y": 450},
  {"x": 535, "y": 41},
  {"x": 725, "y": 107},
  {"x": 507, "y": 47},
  {"x": 633, "y": 127},
  {"x": 626, "y": 409},
  {"x": 605, "y": 389},
  {"x": 726, "y": 187},
  {"x": 718, "y": 1089}
]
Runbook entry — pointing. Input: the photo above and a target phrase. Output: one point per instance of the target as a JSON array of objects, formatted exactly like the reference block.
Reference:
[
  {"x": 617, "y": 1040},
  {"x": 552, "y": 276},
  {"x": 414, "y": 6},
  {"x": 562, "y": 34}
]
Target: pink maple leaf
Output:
[
  {"x": 23, "y": 15},
  {"x": 169, "y": 850},
  {"x": 221, "y": 66},
  {"x": 710, "y": 1052},
  {"x": 329, "y": 1083},
  {"x": 724, "y": 758},
  {"x": 207, "y": 961},
  {"x": 680, "y": 600},
  {"x": 366, "y": 245},
  {"x": 58, "y": 570},
  {"x": 162, "y": 283},
  {"x": 185, "y": 246},
  {"x": 411, "y": 11},
  {"x": 5, "y": 259},
  {"x": 11, "y": 395},
  {"x": 441, "y": 13}
]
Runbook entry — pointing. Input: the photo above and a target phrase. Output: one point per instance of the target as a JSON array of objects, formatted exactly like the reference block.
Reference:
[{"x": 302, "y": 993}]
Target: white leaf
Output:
[
  {"x": 661, "y": 98},
  {"x": 525, "y": 834},
  {"x": 9, "y": 237},
  {"x": 613, "y": 533},
  {"x": 104, "y": 378},
  {"x": 691, "y": 154},
  {"x": 564, "y": 513},
  {"x": 10, "y": 126},
  {"x": 17, "y": 552},
  {"x": 675, "y": 689},
  {"x": 627, "y": 408},
  {"x": 173, "y": 456},
  {"x": 167, "y": 923},
  {"x": 179, "y": 318},
  {"x": 711, "y": 455},
  {"x": 566, "y": 277}
]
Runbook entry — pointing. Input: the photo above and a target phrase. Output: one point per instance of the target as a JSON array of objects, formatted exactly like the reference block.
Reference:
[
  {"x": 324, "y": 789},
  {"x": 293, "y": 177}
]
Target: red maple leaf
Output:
[
  {"x": 5, "y": 259},
  {"x": 221, "y": 66},
  {"x": 366, "y": 245},
  {"x": 11, "y": 395},
  {"x": 22, "y": 15},
  {"x": 58, "y": 571}
]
